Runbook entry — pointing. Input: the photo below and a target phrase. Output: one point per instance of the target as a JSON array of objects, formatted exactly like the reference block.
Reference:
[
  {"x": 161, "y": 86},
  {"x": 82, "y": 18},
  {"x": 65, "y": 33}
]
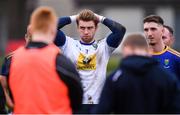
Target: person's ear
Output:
[
  {"x": 54, "y": 31},
  {"x": 29, "y": 29},
  {"x": 163, "y": 29}
]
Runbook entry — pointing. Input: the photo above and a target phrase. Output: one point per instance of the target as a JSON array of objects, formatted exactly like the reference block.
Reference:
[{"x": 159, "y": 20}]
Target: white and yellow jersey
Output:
[{"x": 91, "y": 61}]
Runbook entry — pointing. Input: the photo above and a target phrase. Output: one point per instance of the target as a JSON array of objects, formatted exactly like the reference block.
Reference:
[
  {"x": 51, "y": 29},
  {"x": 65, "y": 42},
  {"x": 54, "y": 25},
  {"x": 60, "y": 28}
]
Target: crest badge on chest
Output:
[{"x": 166, "y": 63}]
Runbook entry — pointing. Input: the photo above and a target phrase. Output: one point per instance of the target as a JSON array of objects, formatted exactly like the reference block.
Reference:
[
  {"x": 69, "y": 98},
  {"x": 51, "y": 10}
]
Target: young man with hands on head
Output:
[{"x": 89, "y": 55}]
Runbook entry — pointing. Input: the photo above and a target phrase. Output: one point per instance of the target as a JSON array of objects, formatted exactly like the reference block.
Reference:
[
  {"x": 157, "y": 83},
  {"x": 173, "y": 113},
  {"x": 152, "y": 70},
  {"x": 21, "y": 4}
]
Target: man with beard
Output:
[{"x": 168, "y": 57}]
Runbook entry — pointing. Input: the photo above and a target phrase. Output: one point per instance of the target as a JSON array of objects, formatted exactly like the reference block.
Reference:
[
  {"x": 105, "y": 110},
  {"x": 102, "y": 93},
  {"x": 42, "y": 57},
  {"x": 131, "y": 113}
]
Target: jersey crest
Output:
[
  {"x": 86, "y": 62},
  {"x": 95, "y": 45},
  {"x": 166, "y": 63}
]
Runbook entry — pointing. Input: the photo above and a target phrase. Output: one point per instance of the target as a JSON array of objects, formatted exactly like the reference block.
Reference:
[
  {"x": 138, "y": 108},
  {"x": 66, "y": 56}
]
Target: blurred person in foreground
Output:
[
  {"x": 168, "y": 36},
  {"x": 89, "y": 55},
  {"x": 5, "y": 72},
  {"x": 139, "y": 85},
  {"x": 40, "y": 78},
  {"x": 168, "y": 57}
]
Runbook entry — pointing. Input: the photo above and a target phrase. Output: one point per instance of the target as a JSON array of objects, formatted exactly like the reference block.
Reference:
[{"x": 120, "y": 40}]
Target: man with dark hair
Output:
[
  {"x": 168, "y": 57},
  {"x": 168, "y": 36},
  {"x": 139, "y": 85},
  {"x": 90, "y": 56},
  {"x": 154, "y": 18}
]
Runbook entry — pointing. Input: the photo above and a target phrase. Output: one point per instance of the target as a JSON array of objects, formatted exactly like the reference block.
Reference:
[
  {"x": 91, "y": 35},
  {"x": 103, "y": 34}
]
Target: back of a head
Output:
[
  {"x": 169, "y": 29},
  {"x": 87, "y": 15},
  {"x": 154, "y": 18},
  {"x": 135, "y": 44},
  {"x": 136, "y": 41},
  {"x": 42, "y": 19}
]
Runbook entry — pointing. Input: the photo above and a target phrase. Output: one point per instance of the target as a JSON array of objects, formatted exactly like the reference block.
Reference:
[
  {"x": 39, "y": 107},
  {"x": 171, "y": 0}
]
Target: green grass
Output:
[
  {"x": 113, "y": 64},
  {"x": 1, "y": 60}
]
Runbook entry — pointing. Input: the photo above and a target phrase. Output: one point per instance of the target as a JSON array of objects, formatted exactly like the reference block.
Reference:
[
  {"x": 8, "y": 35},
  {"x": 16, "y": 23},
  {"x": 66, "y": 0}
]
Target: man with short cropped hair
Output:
[
  {"x": 167, "y": 57},
  {"x": 139, "y": 84}
]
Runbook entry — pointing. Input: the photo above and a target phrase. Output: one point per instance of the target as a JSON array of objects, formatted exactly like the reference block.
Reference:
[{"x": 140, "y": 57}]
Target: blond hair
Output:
[
  {"x": 87, "y": 15},
  {"x": 136, "y": 40},
  {"x": 42, "y": 18}
]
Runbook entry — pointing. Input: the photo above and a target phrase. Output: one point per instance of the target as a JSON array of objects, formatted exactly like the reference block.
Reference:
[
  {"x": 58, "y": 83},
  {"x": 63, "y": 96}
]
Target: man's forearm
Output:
[
  {"x": 63, "y": 21},
  {"x": 118, "y": 32},
  {"x": 4, "y": 84},
  {"x": 115, "y": 27},
  {"x": 60, "y": 38}
]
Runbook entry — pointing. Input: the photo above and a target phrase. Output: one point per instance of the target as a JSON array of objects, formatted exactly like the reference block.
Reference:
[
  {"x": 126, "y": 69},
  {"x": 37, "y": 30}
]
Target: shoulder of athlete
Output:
[{"x": 174, "y": 52}]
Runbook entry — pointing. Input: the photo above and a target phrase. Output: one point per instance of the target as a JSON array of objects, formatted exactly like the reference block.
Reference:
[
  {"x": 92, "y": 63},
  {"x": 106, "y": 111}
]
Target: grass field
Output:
[
  {"x": 113, "y": 64},
  {"x": 1, "y": 60}
]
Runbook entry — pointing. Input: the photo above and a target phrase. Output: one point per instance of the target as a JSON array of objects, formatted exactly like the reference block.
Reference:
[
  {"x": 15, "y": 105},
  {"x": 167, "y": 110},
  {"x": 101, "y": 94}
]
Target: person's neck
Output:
[
  {"x": 83, "y": 42},
  {"x": 141, "y": 52},
  {"x": 157, "y": 47},
  {"x": 41, "y": 37}
]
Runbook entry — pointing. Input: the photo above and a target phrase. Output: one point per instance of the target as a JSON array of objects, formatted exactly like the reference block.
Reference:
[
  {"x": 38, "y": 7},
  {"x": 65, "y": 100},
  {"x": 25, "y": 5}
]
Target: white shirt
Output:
[{"x": 91, "y": 61}]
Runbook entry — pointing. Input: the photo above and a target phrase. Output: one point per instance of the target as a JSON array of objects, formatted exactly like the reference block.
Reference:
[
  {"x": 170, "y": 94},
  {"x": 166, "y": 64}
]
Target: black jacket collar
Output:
[{"x": 36, "y": 45}]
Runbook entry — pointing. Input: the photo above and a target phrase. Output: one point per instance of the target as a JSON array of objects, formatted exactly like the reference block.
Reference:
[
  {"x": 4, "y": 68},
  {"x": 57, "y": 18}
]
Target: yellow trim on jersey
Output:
[
  {"x": 174, "y": 52},
  {"x": 161, "y": 52}
]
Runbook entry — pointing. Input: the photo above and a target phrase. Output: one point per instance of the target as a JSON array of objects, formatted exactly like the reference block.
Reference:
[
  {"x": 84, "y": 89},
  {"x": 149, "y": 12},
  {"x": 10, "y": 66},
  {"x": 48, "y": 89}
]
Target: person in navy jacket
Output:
[{"x": 140, "y": 84}]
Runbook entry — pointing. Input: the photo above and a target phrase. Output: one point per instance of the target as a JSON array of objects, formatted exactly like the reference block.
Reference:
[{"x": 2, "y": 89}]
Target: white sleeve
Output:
[
  {"x": 68, "y": 44},
  {"x": 108, "y": 50}
]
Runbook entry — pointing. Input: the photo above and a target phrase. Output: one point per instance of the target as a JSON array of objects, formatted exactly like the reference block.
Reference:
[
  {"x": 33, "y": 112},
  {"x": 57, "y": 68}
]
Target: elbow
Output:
[
  {"x": 123, "y": 30},
  {"x": 60, "y": 38}
]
